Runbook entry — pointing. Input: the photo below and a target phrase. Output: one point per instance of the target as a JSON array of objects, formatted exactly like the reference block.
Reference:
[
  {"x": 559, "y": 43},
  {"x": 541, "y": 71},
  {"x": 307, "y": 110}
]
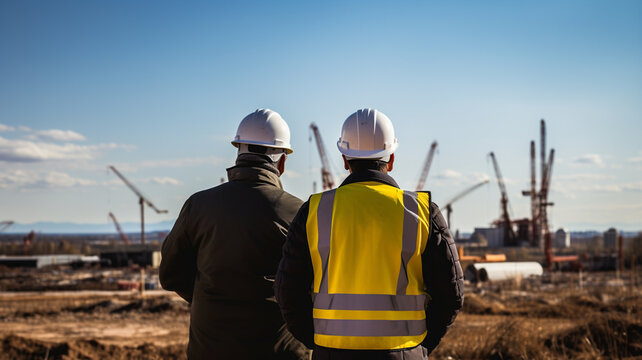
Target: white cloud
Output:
[
  {"x": 291, "y": 174},
  {"x": 634, "y": 186},
  {"x": 165, "y": 180},
  {"x": 21, "y": 179},
  {"x": 589, "y": 159},
  {"x": 636, "y": 159},
  {"x": 15, "y": 150},
  {"x": 24, "y": 128},
  {"x": 59, "y": 179},
  {"x": 449, "y": 174},
  {"x": 479, "y": 177},
  {"x": 4, "y": 127},
  {"x": 181, "y": 162},
  {"x": 569, "y": 189},
  {"x": 57, "y": 135},
  {"x": 583, "y": 177}
]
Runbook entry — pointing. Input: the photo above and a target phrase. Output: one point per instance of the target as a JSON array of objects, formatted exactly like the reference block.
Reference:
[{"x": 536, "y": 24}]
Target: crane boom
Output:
[
  {"x": 426, "y": 169},
  {"x": 500, "y": 179},
  {"x": 326, "y": 175},
  {"x": 136, "y": 191},
  {"x": 467, "y": 191},
  {"x": 509, "y": 234},
  {"x": 141, "y": 201},
  {"x": 120, "y": 230},
  {"x": 5, "y": 224}
]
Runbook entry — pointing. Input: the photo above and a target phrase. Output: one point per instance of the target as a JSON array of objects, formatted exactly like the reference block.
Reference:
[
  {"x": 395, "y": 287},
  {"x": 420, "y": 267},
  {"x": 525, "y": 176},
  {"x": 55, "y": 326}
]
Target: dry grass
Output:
[{"x": 598, "y": 324}]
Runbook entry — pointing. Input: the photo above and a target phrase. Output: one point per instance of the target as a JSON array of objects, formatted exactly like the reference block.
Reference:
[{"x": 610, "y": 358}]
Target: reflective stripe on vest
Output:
[{"x": 366, "y": 241}]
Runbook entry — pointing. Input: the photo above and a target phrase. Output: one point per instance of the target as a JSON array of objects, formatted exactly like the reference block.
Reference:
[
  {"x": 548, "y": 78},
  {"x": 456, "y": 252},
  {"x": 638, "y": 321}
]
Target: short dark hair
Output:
[
  {"x": 258, "y": 149},
  {"x": 368, "y": 164}
]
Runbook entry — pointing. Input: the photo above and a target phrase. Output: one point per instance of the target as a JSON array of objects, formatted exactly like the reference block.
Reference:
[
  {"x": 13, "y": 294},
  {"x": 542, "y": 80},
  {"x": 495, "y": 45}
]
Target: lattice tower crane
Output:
[
  {"x": 326, "y": 175},
  {"x": 142, "y": 200},
  {"x": 543, "y": 197},
  {"x": 120, "y": 230},
  {"x": 509, "y": 234},
  {"x": 426, "y": 169}
]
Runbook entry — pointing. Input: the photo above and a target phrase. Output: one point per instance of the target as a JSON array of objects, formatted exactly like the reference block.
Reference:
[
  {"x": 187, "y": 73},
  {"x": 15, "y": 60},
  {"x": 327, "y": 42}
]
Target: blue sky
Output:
[{"x": 157, "y": 89}]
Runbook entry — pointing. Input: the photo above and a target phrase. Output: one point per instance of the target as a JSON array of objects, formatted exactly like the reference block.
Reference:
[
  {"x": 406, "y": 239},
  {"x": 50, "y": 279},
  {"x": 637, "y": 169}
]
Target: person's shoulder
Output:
[
  {"x": 206, "y": 194},
  {"x": 288, "y": 198}
]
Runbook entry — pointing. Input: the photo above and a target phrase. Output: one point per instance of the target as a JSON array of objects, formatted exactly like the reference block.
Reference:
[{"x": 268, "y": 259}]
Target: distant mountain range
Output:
[
  {"x": 78, "y": 228},
  {"x": 48, "y": 227}
]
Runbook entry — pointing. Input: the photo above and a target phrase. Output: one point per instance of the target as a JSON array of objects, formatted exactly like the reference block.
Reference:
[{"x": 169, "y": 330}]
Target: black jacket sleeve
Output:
[
  {"x": 177, "y": 270},
  {"x": 294, "y": 281},
  {"x": 443, "y": 278}
]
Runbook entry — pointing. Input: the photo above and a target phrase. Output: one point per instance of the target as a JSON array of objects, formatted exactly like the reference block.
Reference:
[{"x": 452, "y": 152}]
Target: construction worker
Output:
[
  {"x": 224, "y": 249},
  {"x": 383, "y": 268}
]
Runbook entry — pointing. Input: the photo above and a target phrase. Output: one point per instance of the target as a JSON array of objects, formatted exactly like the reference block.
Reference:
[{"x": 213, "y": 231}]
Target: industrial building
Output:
[
  {"x": 562, "y": 239},
  {"x": 39, "y": 261},
  {"x": 137, "y": 254}
]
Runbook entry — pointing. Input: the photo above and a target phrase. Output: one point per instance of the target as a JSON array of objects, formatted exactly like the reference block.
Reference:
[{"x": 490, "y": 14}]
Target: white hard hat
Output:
[
  {"x": 263, "y": 127},
  {"x": 367, "y": 134}
]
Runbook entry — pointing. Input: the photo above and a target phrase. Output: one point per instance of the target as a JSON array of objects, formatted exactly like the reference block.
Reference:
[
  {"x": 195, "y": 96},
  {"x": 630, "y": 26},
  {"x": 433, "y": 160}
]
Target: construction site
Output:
[{"x": 529, "y": 294}]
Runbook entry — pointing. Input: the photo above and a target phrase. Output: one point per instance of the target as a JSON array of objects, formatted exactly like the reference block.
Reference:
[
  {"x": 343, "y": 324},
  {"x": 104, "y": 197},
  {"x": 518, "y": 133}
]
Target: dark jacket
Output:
[
  {"x": 442, "y": 274},
  {"x": 226, "y": 240}
]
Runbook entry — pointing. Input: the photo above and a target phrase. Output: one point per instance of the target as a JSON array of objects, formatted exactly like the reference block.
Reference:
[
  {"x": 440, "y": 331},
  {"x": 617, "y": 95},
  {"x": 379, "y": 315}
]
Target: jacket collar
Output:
[
  {"x": 254, "y": 170},
  {"x": 370, "y": 175}
]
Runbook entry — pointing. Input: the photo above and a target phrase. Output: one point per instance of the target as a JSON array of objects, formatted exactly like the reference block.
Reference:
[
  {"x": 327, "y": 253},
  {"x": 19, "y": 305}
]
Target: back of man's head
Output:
[
  {"x": 368, "y": 141},
  {"x": 263, "y": 133}
]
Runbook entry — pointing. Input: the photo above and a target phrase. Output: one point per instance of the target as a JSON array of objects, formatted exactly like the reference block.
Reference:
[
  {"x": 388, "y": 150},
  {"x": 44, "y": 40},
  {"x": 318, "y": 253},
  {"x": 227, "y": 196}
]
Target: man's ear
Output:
[
  {"x": 390, "y": 163},
  {"x": 281, "y": 164},
  {"x": 346, "y": 164}
]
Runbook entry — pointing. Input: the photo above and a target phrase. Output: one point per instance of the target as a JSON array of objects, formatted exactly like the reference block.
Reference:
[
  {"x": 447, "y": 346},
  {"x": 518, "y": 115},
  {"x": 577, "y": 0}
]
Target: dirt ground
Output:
[{"x": 497, "y": 322}]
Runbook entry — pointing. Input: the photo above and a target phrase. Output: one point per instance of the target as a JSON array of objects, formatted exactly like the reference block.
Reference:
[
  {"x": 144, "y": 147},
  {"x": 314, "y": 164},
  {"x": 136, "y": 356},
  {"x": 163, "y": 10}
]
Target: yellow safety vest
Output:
[{"x": 366, "y": 241}]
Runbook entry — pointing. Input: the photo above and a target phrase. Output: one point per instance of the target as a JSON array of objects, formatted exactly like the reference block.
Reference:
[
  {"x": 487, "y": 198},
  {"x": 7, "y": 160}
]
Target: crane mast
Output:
[
  {"x": 509, "y": 234},
  {"x": 326, "y": 175},
  {"x": 535, "y": 225},
  {"x": 426, "y": 169},
  {"x": 120, "y": 230},
  {"x": 548, "y": 241},
  {"x": 142, "y": 200}
]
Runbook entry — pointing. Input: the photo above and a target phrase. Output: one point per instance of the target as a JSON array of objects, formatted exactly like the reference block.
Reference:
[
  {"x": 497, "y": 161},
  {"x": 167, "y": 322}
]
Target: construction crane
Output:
[
  {"x": 543, "y": 197},
  {"x": 326, "y": 175},
  {"x": 142, "y": 200},
  {"x": 29, "y": 238},
  {"x": 426, "y": 169},
  {"x": 509, "y": 234},
  {"x": 532, "y": 193},
  {"x": 120, "y": 230},
  {"x": 448, "y": 206},
  {"x": 5, "y": 224}
]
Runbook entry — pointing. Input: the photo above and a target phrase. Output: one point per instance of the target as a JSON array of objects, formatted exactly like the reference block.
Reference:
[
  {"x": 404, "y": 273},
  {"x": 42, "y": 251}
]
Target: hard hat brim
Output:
[
  {"x": 367, "y": 154},
  {"x": 287, "y": 149}
]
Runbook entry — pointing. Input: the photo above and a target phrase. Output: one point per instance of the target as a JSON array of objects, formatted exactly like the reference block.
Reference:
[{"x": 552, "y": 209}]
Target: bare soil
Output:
[{"x": 509, "y": 321}]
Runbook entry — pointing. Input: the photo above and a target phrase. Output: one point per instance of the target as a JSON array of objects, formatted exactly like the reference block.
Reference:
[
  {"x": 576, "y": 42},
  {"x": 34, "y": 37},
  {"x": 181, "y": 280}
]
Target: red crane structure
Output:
[
  {"x": 426, "y": 169},
  {"x": 120, "y": 230},
  {"x": 448, "y": 206},
  {"x": 509, "y": 234},
  {"x": 326, "y": 175},
  {"x": 142, "y": 200}
]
